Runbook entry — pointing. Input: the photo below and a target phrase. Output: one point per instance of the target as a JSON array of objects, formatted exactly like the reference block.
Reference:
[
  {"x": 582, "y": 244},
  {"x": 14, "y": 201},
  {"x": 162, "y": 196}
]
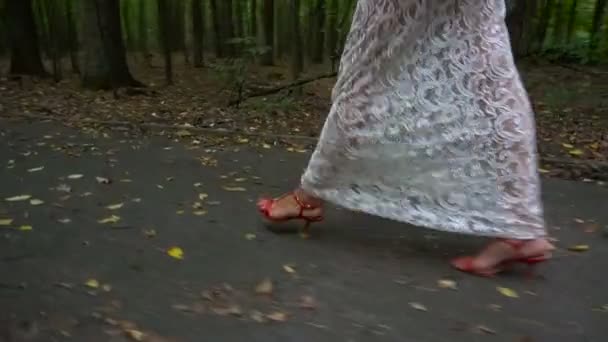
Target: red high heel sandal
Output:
[
  {"x": 466, "y": 264},
  {"x": 278, "y": 224}
]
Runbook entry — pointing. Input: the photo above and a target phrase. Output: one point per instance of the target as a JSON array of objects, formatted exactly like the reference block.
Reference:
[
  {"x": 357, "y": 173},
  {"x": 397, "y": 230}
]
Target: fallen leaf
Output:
[
  {"x": 579, "y": 248},
  {"x": 150, "y": 233},
  {"x": 234, "y": 188},
  {"x": 115, "y": 206},
  {"x": 135, "y": 335},
  {"x": 507, "y": 292},
  {"x": 576, "y": 152},
  {"x": 233, "y": 310},
  {"x": 418, "y": 306},
  {"x": 484, "y": 329},
  {"x": 64, "y": 220},
  {"x": 36, "y": 169},
  {"x": 308, "y": 302},
  {"x": 110, "y": 219},
  {"x": 75, "y": 176},
  {"x": 63, "y": 188},
  {"x": 202, "y": 196},
  {"x": 18, "y": 198},
  {"x": 277, "y": 316},
  {"x": 92, "y": 283},
  {"x": 541, "y": 170},
  {"x": 266, "y": 146},
  {"x": 578, "y": 220},
  {"x": 181, "y": 307},
  {"x": 447, "y": 284},
  {"x": 240, "y": 180},
  {"x": 200, "y": 212},
  {"x": 35, "y": 201},
  {"x": 250, "y": 236},
  {"x": 569, "y": 146},
  {"x": 198, "y": 184},
  {"x": 257, "y": 316},
  {"x": 102, "y": 180},
  {"x": 289, "y": 269},
  {"x": 6, "y": 222},
  {"x": 25, "y": 228},
  {"x": 176, "y": 252},
  {"x": 265, "y": 287},
  {"x": 183, "y": 133}
]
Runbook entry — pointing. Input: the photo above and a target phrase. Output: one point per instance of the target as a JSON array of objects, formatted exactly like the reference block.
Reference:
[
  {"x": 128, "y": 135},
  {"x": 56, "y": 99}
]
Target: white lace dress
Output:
[{"x": 430, "y": 122}]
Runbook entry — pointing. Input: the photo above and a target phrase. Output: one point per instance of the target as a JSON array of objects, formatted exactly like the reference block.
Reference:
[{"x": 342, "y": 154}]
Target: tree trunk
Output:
[
  {"x": 558, "y": 26},
  {"x": 543, "y": 25},
  {"x": 239, "y": 18},
  {"x": 297, "y": 63},
  {"x": 596, "y": 25},
  {"x": 332, "y": 29},
  {"x": 164, "y": 24},
  {"x": 518, "y": 21},
  {"x": 54, "y": 33},
  {"x": 142, "y": 29},
  {"x": 25, "y": 53},
  {"x": 105, "y": 62},
  {"x": 217, "y": 29},
  {"x": 254, "y": 18},
  {"x": 72, "y": 36},
  {"x": 268, "y": 34},
  {"x": 198, "y": 32},
  {"x": 228, "y": 27},
  {"x": 318, "y": 32},
  {"x": 571, "y": 20}
]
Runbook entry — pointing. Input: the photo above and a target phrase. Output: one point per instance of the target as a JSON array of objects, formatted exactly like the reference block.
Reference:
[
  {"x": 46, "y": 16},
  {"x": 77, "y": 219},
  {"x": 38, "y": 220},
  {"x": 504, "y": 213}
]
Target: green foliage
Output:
[{"x": 234, "y": 72}]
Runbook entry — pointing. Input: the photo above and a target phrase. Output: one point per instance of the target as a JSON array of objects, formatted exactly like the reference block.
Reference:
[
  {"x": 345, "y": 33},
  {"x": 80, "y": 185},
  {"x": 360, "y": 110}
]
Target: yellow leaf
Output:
[
  {"x": 202, "y": 196},
  {"x": 579, "y": 248},
  {"x": 240, "y": 180},
  {"x": 447, "y": 284},
  {"x": 568, "y": 145},
  {"x": 25, "y": 228},
  {"x": 183, "y": 133},
  {"x": 507, "y": 292},
  {"x": 243, "y": 140},
  {"x": 150, "y": 233},
  {"x": 92, "y": 283},
  {"x": 200, "y": 212},
  {"x": 180, "y": 212},
  {"x": 265, "y": 287},
  {"x": 176, "y": 252},
  {"x": 576, "y": 152},
  {"x": 6, "y": 222},
  {"x": 541, "y": 170},
  {"x": 419, "y": 307},
  {"x": 277, "y": 316},
  {"x": 18, "y": 198},
  {"x": 115, "y": 206},
  {"x": 75, "y": 176},
  {"x": 266, "y": 146},
  {"x": 35, "y": 201},
  {"x": 36, "y": 169},
  {"x": 110, "y": 219},
  {"x": 135, "y": 335},
  {"x": 289, "y": 269},
  {"x": 234, "y": 188}
]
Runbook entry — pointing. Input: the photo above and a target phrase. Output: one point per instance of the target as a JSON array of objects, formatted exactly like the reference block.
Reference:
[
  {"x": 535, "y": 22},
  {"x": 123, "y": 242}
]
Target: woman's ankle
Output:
[{"x": 307, "y": 198}]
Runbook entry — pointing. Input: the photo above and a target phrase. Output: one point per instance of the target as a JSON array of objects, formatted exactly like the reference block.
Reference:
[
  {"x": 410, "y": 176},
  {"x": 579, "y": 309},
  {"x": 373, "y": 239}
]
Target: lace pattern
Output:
[{"x": 430, "y": 122}]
